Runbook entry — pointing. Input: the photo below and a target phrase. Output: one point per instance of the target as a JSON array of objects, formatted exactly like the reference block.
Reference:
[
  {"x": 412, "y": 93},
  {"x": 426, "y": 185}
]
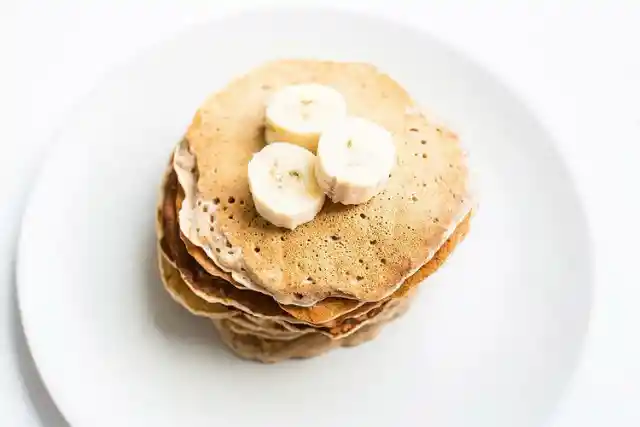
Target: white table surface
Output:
[{"x": 575, "y": 62}]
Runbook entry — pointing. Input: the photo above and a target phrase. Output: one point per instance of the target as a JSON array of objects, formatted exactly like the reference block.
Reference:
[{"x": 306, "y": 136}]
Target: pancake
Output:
[
  {"x": 252, "y": 322},
  {"x": 241, "y": 327},
  {"x": 217, "y": 290},
  {"x": 265, "y": 350},
  {"x": 180, "y": 292},
  {"x": 362, "y": 252}
]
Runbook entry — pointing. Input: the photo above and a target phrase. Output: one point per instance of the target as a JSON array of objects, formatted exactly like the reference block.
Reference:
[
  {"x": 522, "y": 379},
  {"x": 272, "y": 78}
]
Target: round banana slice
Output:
[
  {"x": 355, "y": 158},
  {"x": 283, "y": 185},
  {"x": 299, "y": 113}
]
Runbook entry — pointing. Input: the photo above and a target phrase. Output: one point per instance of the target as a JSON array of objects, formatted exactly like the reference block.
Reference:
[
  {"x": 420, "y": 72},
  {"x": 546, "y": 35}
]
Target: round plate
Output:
[{"x": 491, "y": 341}]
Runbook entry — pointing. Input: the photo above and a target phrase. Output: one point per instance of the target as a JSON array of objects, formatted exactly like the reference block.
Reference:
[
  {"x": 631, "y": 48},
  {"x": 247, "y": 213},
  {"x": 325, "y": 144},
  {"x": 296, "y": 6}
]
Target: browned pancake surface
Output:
[{"x": 362, "y": 252}]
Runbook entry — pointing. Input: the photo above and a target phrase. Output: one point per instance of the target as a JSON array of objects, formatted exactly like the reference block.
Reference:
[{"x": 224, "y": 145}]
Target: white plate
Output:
[{"x": 491, "y": 341}]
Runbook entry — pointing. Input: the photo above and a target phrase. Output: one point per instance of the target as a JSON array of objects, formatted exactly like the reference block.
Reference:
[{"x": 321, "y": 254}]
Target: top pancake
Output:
[{"x": 362, "y": 252}]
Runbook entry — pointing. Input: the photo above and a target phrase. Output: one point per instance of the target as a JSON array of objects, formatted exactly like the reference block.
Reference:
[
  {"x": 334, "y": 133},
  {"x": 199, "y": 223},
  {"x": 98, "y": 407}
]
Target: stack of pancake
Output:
[{"x": 274, "y": 293}]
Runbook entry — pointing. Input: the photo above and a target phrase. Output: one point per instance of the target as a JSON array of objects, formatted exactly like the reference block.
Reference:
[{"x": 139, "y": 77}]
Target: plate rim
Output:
[{"x": 373, "y": 18}]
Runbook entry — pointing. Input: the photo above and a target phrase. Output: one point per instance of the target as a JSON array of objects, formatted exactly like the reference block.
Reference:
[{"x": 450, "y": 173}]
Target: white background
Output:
[{"x": 575, "y": 62}]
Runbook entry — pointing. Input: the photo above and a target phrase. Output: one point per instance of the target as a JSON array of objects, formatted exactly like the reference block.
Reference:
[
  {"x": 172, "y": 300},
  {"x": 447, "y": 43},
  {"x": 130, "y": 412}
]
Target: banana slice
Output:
[
  {"x": 299, "y": 113},
  {"x": 283, "y": 185},
  {"x": 355, "y": 158}
]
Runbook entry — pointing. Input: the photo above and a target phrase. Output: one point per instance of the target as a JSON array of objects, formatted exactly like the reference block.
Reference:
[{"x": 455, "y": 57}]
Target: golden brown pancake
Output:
[
  {"x": 362, "y": 252},
  {"x": 180, "y": 292}
]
